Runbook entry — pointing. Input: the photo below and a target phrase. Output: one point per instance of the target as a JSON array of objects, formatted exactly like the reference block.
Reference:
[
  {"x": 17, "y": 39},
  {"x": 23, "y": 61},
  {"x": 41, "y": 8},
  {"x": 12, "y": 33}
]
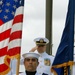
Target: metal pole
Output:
[{"x": 49, "y": 25}]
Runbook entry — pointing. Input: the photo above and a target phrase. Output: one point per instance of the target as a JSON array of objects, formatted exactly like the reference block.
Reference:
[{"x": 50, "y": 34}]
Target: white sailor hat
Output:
[
  {"x": 31, "y": 54},
  {"x": 41, "y": 41},
  {"x": 27, "y": 55}
]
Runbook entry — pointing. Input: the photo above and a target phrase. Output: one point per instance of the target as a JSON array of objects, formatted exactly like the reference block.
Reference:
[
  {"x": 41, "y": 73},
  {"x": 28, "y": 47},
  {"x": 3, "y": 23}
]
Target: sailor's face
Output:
[
  {"x": 30, "y": 64},
  {"x": 41, "y": 48}
]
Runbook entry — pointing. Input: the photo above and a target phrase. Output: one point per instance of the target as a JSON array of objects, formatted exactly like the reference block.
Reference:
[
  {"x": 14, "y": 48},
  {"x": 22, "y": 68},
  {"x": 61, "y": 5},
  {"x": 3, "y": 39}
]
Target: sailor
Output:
[
  {"x": 45, "y": 60},
  {"x": 31, "y": 63}
]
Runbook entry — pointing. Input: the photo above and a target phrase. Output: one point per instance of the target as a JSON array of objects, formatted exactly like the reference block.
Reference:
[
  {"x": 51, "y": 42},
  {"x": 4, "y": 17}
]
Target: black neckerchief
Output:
[{"x": 30, "y": 73}]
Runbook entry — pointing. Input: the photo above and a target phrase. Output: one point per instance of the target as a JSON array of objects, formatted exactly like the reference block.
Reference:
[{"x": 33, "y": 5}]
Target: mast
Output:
[{"x": 49, "y": 25}]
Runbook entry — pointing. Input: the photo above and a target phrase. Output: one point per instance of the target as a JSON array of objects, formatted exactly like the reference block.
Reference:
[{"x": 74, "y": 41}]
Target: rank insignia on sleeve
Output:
[{"x": 47, "y": 62}]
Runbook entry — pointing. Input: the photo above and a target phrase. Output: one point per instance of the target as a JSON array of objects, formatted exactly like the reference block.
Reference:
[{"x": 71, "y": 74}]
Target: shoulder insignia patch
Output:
[{"x": 47, "y": 61}]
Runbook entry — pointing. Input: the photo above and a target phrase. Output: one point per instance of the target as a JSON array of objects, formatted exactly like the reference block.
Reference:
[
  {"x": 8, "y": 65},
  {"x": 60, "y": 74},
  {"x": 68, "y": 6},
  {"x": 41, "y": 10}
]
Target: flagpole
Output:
[
  {"x": 18, "y": 64},
  {"x": 49, "y": 25}
]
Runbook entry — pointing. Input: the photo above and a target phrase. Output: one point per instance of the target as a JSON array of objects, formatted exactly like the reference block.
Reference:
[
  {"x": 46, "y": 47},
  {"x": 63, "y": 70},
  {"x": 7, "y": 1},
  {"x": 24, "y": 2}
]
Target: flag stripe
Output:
[
  {"x": 18, "y": 19},
  {"x": 16, "y": 35},
  {"x": 19, "y": 10},
  {"x": 1, "y": 59},
  {"x": 5, "y": 67},
  {"x": 14, "y": 51},
  {"x": 17, "y": 27},
  {"x": 4, "y": 43},
  {"x": 5, "y": 35},
  {"x": 3, "y": 51},
  {"x": 1, "y": 22},
  {"x": 5, "y": 26},
  {"x": 14, "y": 43}
]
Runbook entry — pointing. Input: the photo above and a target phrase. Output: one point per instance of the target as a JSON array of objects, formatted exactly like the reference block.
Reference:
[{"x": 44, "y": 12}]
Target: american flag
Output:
[{"x": 11, "y": 18}]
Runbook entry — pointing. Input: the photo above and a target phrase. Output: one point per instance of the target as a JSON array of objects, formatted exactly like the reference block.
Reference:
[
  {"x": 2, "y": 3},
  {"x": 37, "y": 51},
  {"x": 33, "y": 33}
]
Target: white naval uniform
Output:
[{"x": 45, "y": 63}]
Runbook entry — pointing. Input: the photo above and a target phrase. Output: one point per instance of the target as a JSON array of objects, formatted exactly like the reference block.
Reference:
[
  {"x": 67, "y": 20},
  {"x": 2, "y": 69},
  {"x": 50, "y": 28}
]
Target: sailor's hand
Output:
[{"x": 33, "y": 49}]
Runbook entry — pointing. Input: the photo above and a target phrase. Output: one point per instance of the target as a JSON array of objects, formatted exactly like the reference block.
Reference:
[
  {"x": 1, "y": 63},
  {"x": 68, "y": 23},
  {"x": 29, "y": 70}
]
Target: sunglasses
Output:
[
  {"x": 30, "y": 59},
  {"x": 41, "y": 45}
]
